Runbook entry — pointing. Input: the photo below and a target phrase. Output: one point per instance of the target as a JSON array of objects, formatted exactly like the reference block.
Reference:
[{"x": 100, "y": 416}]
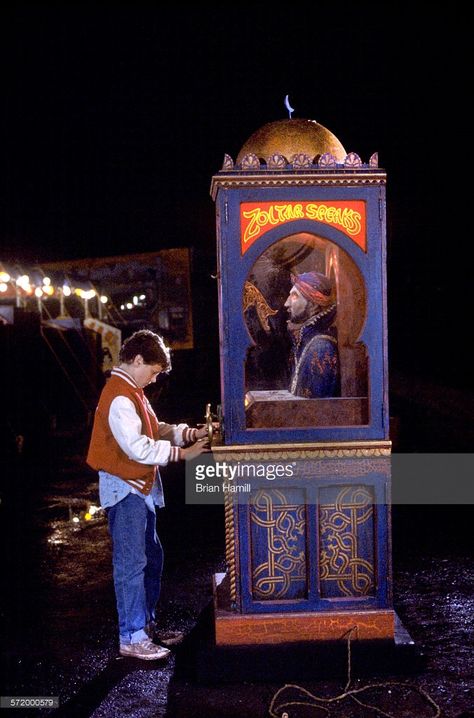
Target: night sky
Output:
[{"x": 115, "y": 117}]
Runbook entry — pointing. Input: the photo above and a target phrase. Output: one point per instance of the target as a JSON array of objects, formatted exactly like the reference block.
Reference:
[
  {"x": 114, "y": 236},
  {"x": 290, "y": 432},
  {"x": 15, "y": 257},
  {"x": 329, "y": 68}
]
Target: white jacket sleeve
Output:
[
  {"x": 126, "y": 427},
  {"x": 177, "y": 434}
]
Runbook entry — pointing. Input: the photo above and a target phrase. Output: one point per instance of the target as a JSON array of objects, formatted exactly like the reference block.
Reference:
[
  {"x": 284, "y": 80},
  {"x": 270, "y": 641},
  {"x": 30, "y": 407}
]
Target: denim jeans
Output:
[{"x": 137, "y": 558}]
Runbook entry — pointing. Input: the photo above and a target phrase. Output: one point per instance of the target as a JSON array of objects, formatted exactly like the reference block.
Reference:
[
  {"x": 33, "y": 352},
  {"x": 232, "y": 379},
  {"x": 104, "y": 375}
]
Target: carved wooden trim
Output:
[
  {"x": 230, "y": 543},
  {"x": 301, "y": 161},
  {"x": 327, "y": 160},
  {"x": 374, "y": 160},
  {"x": 337, "y": 451},
  {"x": 228, "y": 182},
  {"x": 250, "y": 162},
  {"x": 228, "y": 163},
  {"x": 352, "y": 161},
  {"x": 276, "y": 162}
]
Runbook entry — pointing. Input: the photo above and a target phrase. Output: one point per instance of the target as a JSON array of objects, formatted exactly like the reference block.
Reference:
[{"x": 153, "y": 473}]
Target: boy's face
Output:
[{"x": 145, "y": 374}]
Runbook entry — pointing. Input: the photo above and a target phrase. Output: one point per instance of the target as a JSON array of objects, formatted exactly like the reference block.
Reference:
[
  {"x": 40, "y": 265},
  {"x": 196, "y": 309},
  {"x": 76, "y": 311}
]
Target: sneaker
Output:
[
  {"x": 167, "y": 638},
  {"x": 146, "y": 650},
  {"x": 170, "y": 638},
  {"x": 150, "y": 629}
]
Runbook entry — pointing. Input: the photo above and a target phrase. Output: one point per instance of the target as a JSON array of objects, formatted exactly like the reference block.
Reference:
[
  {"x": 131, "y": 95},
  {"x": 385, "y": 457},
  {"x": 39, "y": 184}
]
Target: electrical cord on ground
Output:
[{"x": 352, "y": 693}]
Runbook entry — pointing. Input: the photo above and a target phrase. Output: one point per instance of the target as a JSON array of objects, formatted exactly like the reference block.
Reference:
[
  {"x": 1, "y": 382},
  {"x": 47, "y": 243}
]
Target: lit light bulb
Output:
[
  {"x": 46, "y": 281},
  {"x": 104, "y": 299},
  {"x": 4, "y": 277},
  {"x": 38, "y": 292},
  {"x": 3, "y": 287},
  {"x": 23, "y": 281}
]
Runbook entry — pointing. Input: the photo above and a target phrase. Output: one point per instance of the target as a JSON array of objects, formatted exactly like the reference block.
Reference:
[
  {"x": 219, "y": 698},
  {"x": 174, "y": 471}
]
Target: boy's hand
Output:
[
  {"x": 195, "y": 450},
  {"x": 202, "y": 430}
]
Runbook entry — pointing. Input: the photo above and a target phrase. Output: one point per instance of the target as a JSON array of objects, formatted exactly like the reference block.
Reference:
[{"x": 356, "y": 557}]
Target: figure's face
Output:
[{"x": 297, "y": 305}]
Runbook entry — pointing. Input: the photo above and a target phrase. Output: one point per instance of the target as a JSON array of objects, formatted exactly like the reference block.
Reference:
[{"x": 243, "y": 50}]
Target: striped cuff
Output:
[
  {"x": 175, "y": 453},
  {"x": 189, "y": 435}
]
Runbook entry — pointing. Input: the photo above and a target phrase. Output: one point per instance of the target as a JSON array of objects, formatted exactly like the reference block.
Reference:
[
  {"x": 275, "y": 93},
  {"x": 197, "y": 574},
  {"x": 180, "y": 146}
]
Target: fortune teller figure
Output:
[{"x": 315, "y": 357}]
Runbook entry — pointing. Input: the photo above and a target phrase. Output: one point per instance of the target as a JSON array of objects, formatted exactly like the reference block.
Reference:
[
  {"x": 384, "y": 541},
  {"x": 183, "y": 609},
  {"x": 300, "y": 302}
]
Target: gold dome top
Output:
[{"x": 291, "y": 137}]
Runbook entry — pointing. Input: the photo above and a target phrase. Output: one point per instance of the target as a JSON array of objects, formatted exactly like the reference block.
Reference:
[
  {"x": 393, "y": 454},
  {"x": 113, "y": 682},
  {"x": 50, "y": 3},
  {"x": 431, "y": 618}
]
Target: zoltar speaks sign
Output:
[{"x": 347, "y": 216}]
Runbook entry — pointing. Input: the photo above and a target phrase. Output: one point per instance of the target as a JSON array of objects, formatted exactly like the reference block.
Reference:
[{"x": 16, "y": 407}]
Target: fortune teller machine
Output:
[{"x": 304, "y": 405}]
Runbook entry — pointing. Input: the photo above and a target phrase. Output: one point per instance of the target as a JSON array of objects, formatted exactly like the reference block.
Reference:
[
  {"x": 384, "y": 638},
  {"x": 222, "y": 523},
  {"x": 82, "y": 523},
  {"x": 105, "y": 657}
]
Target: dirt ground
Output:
[{"x": 59, "y": 618}]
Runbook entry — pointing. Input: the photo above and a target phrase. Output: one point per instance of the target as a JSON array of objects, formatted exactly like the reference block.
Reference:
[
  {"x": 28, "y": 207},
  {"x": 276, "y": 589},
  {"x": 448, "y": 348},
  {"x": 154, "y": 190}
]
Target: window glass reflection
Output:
[{"x": 304, "y": 305}]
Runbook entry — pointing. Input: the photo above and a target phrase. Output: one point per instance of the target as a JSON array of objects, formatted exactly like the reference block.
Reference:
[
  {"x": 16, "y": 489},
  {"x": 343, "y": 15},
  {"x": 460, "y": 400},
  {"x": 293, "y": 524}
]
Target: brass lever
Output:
[
  {"x": 213, "y": 424},
  {"x": 209, "y": 425}
]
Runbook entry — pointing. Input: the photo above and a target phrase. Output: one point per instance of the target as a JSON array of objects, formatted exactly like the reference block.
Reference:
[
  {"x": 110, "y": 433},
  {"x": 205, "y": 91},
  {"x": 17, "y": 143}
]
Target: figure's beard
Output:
[{"x": 303, "y": 316}]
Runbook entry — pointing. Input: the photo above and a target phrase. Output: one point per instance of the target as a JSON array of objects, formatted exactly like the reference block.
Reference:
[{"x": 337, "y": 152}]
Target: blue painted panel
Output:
[
  {"x": 319, "y": 543},
  {"x": 235, "y": 338},
  {"x": 278, "y": 533},
  {"x": 347, "y": 541}
]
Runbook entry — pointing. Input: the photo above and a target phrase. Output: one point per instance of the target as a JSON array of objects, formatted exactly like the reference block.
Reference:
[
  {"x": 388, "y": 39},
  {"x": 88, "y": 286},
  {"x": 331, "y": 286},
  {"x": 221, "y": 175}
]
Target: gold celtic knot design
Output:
[
  {"x": 278, "y": 545},
  {"x": 347, "y": 541}
]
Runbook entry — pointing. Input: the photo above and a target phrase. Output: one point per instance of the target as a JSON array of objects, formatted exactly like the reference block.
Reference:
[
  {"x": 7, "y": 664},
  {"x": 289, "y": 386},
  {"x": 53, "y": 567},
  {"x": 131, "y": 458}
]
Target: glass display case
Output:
[{"x": 302, "y": 312}]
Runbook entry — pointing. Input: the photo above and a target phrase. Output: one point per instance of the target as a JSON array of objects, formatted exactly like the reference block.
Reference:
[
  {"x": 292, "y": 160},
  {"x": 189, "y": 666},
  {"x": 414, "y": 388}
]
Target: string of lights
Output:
[{"x": 22, "y": 286}]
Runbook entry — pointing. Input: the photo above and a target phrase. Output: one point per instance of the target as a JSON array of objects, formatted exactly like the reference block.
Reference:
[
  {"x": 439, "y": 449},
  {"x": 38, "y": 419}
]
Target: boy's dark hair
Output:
[{"x": 151, "y": 347}]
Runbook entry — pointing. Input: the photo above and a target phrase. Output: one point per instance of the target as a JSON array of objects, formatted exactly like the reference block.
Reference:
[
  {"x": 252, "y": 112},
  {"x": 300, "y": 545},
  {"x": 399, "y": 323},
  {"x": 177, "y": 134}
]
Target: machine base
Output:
[
  {"x": 202, "y": 659},
  {"x": 235, "y": 629}
]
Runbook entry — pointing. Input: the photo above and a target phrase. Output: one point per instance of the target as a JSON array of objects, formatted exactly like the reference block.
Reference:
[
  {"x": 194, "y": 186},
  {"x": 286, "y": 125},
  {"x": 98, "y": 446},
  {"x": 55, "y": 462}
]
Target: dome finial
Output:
[{"x": 289, "y": 107}]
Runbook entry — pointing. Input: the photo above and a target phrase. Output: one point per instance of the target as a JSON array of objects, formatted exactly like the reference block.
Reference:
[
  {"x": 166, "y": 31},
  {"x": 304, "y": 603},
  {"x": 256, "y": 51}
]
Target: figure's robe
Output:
[{"x": 315, "y": 357}]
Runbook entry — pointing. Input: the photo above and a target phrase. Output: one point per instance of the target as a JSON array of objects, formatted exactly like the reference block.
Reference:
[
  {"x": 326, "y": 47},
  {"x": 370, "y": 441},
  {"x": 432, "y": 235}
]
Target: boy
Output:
[{"x": 128, "y": 444}]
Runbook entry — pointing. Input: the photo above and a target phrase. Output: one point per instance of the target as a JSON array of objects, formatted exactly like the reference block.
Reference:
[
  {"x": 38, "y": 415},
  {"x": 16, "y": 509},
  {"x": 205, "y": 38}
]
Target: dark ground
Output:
[{"x": 59, "y": 617}]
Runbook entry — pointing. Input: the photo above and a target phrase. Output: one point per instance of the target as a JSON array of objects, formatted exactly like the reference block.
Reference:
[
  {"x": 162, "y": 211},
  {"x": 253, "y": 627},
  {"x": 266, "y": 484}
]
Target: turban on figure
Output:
[{"x": 314, "y": 286}]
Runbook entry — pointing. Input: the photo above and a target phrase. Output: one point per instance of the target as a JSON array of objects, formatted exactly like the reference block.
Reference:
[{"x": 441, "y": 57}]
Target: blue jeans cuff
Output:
[{"x": 135, "y": 637}]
